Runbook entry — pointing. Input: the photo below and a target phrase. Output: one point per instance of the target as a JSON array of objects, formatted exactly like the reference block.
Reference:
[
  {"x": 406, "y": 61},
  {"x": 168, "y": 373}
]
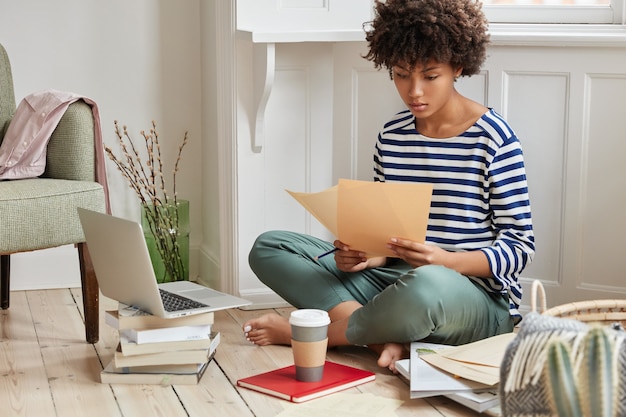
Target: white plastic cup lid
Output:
[{"x": 309, "y": 318}]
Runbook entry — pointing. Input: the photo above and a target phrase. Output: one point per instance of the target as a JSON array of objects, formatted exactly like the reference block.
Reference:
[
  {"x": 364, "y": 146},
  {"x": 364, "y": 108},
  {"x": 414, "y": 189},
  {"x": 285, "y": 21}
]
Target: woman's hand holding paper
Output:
[
  {"x": 349, "y": 260},
  {"x": 416, "y": 254}
]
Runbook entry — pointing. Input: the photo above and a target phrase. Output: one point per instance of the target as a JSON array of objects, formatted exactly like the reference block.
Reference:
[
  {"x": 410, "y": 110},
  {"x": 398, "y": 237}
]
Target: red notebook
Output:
[{"x": 282, "y": 382}]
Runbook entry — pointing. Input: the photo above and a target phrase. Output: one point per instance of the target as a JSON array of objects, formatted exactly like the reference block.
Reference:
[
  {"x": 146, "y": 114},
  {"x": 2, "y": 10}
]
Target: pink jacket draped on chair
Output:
[{"x": 23, "y": 150}]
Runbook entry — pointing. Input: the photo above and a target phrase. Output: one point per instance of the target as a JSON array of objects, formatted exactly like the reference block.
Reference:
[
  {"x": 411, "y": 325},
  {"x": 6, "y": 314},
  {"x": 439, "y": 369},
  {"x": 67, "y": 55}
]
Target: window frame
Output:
[{"x": 613, "y": 14}]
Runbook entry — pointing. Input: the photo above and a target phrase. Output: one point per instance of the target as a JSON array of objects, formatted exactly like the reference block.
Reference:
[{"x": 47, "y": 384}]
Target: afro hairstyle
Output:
[{"x": 412, "y": 32}]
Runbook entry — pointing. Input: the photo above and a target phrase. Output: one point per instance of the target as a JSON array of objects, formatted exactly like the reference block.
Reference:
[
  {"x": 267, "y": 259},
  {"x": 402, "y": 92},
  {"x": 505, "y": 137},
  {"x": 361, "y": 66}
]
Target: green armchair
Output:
[{"x": 39, "y": 213}]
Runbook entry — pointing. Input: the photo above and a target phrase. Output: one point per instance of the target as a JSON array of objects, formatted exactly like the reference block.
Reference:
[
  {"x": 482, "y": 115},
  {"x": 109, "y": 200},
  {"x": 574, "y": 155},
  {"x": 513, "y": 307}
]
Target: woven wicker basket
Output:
[{"x": 592, "y": 311}]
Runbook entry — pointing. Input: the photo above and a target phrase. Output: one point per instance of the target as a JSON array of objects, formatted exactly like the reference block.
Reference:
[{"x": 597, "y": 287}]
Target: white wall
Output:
[{"x": 140, "y": 60}]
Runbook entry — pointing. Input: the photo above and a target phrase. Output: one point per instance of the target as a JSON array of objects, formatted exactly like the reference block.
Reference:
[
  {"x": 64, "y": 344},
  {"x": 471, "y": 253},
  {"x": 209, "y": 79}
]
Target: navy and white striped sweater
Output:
[{"x": 480, "y": 197}]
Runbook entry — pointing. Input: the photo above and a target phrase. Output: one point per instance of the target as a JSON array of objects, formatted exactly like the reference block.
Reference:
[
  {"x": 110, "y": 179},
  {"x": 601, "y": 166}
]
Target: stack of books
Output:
[
  {"x": 154, "y": 350},
  {"x": 426, "y": 380}
]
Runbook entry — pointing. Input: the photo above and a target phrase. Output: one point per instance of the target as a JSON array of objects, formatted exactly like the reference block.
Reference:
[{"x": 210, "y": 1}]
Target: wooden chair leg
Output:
[
  {"x": 91, "y": 293},
  {"x": 5, "y": 274}
]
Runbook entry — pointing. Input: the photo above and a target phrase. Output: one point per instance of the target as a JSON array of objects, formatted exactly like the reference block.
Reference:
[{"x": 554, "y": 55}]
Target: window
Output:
[{"x": 555, "y": 11}]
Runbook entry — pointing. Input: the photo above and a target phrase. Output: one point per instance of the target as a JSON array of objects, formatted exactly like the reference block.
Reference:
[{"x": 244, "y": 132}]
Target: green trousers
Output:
[{"x": 400, "y": 303}]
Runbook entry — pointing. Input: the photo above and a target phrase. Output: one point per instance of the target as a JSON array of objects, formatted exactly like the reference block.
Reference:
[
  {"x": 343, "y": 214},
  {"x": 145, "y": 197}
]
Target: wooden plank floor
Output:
[{"x": 47, "y": 369}]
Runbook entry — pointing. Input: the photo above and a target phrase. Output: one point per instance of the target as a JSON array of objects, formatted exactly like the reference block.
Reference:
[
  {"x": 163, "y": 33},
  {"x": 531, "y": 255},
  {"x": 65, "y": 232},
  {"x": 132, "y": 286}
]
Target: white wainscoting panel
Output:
[
  {"x": 536, "y": 107},
  {"x": 296, "y": 155},
  {"x": 603, "y": 193},
  {"x": 364, "y": 99}
]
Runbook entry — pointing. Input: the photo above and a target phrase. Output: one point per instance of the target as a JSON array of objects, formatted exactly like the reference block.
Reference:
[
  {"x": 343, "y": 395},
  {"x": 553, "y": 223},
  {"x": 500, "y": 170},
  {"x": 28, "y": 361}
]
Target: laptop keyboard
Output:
[{"x": 175, "y": 302}]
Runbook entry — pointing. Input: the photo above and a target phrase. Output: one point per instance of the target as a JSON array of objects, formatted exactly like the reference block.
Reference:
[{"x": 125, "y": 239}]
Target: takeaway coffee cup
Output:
[{"x": 309, "y": 340}]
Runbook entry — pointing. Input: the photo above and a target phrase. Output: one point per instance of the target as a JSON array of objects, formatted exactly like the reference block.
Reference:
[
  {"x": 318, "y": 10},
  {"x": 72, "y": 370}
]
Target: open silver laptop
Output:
[{"x": 124, "y": 272}]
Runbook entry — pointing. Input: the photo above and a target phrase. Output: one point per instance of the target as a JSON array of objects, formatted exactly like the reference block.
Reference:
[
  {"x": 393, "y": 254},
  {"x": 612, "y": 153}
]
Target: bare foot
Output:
[
  {"x": 390, "y": 353},
  {"x": 269, "y": 329}
]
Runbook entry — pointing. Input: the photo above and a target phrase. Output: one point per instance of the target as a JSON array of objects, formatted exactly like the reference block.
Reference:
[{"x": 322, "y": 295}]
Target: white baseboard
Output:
[{"x": 262, "y": 300}]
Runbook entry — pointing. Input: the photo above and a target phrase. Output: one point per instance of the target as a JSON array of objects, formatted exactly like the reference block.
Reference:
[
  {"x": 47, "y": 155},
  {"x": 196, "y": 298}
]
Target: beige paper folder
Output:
[
  {"x": 477, "y": 361},
  {"x": 365, "y": 215},
  {"x": 322, "y": 205}
]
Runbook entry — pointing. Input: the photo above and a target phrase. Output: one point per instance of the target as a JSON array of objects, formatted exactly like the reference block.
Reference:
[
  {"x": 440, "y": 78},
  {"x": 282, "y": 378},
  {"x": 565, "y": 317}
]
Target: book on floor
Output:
[
  {"x": 131, "y": 348},
  {"x": 167, "y": 334},
  {"x": 282, "y": 382},
  {"x": 480, "y": 401},
  {"x": 113, "y": 375},
  {"x": 476, "y": 361},
  {"x": 426, "y": 380},
  {"x": 127, "y": 317},
  {"x": 172, "y": 357},
  {"x": 183, "y": 368}
]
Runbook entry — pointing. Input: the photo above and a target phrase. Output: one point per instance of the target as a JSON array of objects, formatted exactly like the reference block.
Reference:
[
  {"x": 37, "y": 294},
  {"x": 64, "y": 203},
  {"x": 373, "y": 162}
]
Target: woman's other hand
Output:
[
  {"x": 474, "y": 263},
  {"x": 417, "y": 254},
  {"x": 349, "y": 260}
]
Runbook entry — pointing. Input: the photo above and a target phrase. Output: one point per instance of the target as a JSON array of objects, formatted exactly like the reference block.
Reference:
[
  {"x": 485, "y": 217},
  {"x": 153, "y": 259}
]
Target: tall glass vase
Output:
[{"x": 166, "y": 230}]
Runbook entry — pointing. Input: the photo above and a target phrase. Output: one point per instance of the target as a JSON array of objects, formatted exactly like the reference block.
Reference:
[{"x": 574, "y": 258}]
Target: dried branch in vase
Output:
[{"x": 161, "y": 211}]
